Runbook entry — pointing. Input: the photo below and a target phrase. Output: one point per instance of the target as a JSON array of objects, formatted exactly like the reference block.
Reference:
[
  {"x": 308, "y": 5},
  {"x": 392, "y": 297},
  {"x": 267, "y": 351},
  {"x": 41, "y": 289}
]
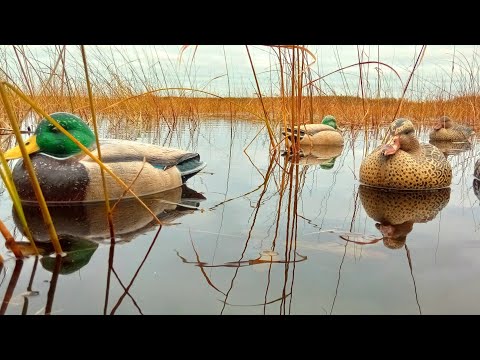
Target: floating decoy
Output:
[
  {"x": 325, "y": 133},
  {"x": 404, "y": 163},
  {"x": 447, "y": 130},
  {"x": 67, "y": 174}
]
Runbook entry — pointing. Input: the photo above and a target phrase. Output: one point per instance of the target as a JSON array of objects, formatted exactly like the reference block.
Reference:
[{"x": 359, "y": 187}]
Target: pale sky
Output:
[{"x": 211, "y": 63}]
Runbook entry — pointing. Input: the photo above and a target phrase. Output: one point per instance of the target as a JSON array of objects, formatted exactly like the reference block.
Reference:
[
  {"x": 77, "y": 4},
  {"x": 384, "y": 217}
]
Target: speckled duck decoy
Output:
[
  {"x": 325, "y": 133},
  {"x": 66, "y": 174},
  {"x": 404, "y": 163},
  {"x": 447, "y": 130}
]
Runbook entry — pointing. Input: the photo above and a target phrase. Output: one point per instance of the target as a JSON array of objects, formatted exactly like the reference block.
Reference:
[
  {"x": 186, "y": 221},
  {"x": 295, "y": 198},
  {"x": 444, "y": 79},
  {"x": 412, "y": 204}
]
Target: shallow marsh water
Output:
[{"x": 314, "y": 248}]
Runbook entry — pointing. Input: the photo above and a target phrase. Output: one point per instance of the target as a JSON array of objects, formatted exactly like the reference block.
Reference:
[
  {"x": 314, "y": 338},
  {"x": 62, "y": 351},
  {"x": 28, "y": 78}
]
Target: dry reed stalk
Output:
[
  {"x": 6, "y": 176},
  {"x": 10, "y": 241},
  {"x": 53, "y": 284},
  {"x": 11, "y": 286},
  {"x": 260, "y": 96},
  {"x": 417, "y": 63},
  {"x": 31, "y": 172},
  {"x": 94, "y": 122}
]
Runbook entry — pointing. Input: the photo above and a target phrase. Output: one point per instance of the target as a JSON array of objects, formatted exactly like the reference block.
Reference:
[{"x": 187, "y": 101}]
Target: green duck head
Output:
[
  {"x": 49, "y": 140},
  {"x": 330, "y": 121}
]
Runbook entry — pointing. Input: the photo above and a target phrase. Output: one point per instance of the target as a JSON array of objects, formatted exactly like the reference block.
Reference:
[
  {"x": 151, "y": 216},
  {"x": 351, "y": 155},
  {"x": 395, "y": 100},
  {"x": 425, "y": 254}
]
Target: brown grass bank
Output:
[{"x": 349, "y": 111}]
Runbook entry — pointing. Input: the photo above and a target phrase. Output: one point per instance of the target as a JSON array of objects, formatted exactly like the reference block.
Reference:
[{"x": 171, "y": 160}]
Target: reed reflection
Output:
[{"x": 278, "y": 195}]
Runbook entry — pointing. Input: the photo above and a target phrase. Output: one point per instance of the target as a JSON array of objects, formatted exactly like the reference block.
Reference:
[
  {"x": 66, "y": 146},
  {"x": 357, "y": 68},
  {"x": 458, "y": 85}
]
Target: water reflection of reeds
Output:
[
  {"x": 82, "y": 229},
  {"x": 285, "y": 202},
  {"x": 279, "y": 198}
]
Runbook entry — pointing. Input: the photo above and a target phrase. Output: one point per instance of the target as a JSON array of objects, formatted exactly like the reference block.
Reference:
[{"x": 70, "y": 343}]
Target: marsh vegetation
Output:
[{"x": 263, "y": 229}]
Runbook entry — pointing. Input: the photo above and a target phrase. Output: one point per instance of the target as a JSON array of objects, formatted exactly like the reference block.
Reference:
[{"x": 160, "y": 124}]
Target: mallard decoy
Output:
[
  {"x": 325, "y": 133},
  {"x": 447, "y": 130},
  {"x": 404, "y": 163},
  {"x": 67, "y": 174}
]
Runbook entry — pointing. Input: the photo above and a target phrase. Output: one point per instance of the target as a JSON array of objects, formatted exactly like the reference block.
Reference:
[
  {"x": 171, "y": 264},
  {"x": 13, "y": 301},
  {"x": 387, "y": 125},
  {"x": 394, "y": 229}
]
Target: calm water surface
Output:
[{"x": 310, "y": 243}]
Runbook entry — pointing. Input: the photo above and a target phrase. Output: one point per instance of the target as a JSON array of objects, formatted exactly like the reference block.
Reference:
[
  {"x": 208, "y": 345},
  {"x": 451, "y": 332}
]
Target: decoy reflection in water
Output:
[
  {"x": 324, "y": 156},
  {"x": 130, "y": 218},
  {"x": 446, "y": 129},
  {"x": 476, "y": 179},
  {"x": 78, "y": 253},
  {"x": 476, "y": 188},
  {"x": 67, "y": 174},
  {"x": 403, "y": 163},
  {"x": 326, "y": 133},
  {"x": 397, "y": 211},
  {"x": 451, "y": 147},
  {"x": 81, "y": 226},
  {"x": 476, "y": 169}
]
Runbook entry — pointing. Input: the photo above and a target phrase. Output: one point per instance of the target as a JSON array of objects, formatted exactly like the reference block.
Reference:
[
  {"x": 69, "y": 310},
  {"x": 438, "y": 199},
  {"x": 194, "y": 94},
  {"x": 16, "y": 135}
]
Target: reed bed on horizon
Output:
[
  {"x": 347, "y": 110},
  {"x": 141, "y": 88}
]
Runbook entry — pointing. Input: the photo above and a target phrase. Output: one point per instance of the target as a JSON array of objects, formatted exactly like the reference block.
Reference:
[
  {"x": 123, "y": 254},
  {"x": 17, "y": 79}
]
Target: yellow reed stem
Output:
[
  {"x": 267, "y": 122},
  {"x": 131, "y": 184},
  {"x": 302, "y": 48},
  {"x": 79, "y": 144},
  {"x": 94, "y": 121},
  {"x": 31, "y": 172},
  {"x": 10, "y": 241},
  {"x": 6, "y": 175}
]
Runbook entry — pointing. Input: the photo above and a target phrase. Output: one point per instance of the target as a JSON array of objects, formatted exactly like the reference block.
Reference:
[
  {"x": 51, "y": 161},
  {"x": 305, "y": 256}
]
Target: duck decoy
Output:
[
  {"x": 446, "y": 129},
  {"x": 326, "y": 133},
  {"x": 404, "y": 163},
  {"x": 67, "y": 174}
]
